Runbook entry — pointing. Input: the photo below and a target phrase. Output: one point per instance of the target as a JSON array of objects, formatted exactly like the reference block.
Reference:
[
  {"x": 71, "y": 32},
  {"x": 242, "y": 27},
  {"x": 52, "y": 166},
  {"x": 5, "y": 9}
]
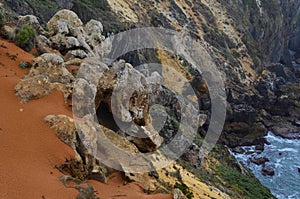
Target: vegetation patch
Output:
[
  {"x": 185, "y": 190},
  {"x": 244, "y": 184},
  {"x": 25, "y": 37}
]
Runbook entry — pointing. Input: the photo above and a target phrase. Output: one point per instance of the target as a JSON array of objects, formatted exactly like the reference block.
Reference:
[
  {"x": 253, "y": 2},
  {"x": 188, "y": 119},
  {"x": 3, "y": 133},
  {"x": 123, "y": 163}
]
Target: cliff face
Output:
[
  {"x": 249, "y": 33},
  {"x": 249, "y": 41},
  {"x": 86, "y": 9},
  {"x": 295, "y": 37}
]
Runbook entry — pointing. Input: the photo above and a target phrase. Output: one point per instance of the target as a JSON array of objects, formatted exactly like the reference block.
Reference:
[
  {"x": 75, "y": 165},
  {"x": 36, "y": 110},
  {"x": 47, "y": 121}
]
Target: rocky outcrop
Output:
[
  {"x": 259, "y": 161},
  {"x": 84, "y": 166},
  {"x": 47, "y": 74},
  {"x": 268, "y": 171},
  {"x": 125, "y": 93},
  {"x": 87, "y": 10},
  {"x": 68, "y": 35},
  {"x": 177, "y": 194}
]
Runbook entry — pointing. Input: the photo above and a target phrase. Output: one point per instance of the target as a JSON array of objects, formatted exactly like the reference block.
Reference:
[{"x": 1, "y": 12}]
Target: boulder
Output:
[
  {"x": 267, "y": 171},
  {"x": 260, "y": 147},
  {"x": 33, "y": 88},
  {"x": 47, "y": 74},
  {"x": 286, "y": 130},
  {"x": 10, "y": 32},
  {"x": 53, "y": 66},
  {"x": 151, "y": 139},
  {"x": 62, "y": 21},
  {"x": 73, "y": 54},
  {"x": 94, "y": 28},
  {"x": 64, "y": 127},
  {"x": 84, "y": 166},
  {"x": 131, "y": 94},
  {"x": 177, "y": 194},
  {"x": 32, "y": 21},
  {"x": 43, "y": 45},
  {"x": 238, "y": 149},
  {"x": 259, "y": 161}
]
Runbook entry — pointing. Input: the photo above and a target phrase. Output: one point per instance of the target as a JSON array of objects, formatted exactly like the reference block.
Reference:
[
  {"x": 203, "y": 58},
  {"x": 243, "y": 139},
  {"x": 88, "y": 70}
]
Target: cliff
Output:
[{"x": 250, "y": 42}]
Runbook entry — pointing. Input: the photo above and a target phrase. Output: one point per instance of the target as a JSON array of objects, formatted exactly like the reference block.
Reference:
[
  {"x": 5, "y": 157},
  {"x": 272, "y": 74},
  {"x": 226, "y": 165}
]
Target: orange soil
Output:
[{"x": 29, "y": 149}]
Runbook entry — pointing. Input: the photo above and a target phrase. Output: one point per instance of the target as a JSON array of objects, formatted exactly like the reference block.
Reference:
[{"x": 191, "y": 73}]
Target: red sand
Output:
[{"x": 29, "y": 149}]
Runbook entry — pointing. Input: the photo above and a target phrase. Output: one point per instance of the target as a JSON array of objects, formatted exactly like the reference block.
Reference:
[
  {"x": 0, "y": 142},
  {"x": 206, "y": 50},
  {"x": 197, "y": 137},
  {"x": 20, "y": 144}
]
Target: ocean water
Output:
[{"x": 284, "y": 156}]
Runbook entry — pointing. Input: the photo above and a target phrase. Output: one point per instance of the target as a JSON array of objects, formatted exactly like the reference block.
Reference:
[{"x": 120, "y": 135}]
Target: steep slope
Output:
[
  {"x": 249, "y": 41},
  {"x": 30, "y": 150}
]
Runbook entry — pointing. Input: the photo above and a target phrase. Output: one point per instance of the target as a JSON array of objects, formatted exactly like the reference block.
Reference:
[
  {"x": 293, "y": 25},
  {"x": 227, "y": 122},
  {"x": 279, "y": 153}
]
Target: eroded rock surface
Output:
[{"x": 47, "y": 74}]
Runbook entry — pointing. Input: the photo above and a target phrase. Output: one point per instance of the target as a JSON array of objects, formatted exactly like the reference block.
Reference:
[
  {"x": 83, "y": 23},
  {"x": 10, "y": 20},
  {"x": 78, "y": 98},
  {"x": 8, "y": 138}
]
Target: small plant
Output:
[
  {"x": 103, "y": 169},
  {"x": 23, "y": 64}
]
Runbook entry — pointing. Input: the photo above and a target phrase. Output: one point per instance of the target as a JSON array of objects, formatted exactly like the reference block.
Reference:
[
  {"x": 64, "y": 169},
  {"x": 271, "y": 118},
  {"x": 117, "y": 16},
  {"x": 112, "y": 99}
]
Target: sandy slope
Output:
[{"x": 29, "y": 149}]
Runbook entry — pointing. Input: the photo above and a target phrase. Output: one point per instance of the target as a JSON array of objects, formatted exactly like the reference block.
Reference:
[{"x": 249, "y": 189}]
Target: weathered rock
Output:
[
  {"x": 130, "y": 98},
  {"x": 259, "y": 161},
  {"x": 47, "y": 74},
  {"x": 288, "y": 131},
  {"x": 67, "y": 33},
  {"x": 260, "y": 147},
  {"x": 282, "y": 71},
  {"x": 148, "y": 183},
  {"x": 151, "y": 141},
  {"x": 94, "y": 28},
  {"x": 10, "y": 32},
  {"x": 73, "y": 54},
  {"x": 33, "y": 88},
  {"x": 74, "y": 62},
  {"x": 84, "y": 166},
  {"x": 238, "y": 149},
  {"x": 241, "y": 134},
  {"x": 63, "y": 44},
  {"x": 177, "y": 194},
  {"x": 53, "y": 66},
  {"x": 64, "y": 127},
  {"x": 43, "y": 45},
  {"x": 266, "y": 170},
  {"x": 32, "y": 21},
  {"x": 62, "y": 21},
  {"x": 131, "y": 86},
  {"x": 244, "y": 113}
]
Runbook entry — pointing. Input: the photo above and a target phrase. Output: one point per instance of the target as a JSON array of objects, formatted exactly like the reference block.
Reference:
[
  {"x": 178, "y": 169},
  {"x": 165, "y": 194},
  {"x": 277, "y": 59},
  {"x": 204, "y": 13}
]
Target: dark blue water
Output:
[{"x": 284, "y": 158}]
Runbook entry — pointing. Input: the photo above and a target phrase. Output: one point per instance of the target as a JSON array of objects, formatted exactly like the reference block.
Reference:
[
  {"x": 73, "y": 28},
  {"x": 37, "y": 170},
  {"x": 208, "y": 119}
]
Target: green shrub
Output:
[
  {"x": 23, "y": 65},
  {"x": 25, "y": 37},
  {"x": 244, "y": 184},
  {"x": 185, "y": 190}
]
